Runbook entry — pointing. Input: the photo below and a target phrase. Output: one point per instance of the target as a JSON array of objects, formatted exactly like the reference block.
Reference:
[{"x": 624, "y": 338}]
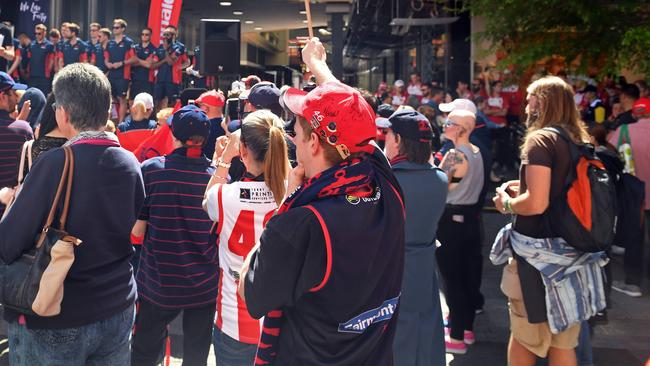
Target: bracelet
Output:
[
  {"x": 220, "y": 177},
  {"x": 222, "y": 164},
  {"x": 508, "y": 205}
]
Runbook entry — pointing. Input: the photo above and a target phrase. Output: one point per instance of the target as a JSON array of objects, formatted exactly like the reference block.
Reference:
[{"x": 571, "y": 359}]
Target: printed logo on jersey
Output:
[
  {"x": 363, "y": 321},
  {"x": 352, "y": 199},
  {"x": 255, "y": 195}
]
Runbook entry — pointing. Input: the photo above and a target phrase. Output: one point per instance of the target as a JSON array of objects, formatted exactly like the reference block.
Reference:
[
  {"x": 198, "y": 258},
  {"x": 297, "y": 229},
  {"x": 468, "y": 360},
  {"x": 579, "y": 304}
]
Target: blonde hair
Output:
[
  {"x": 41, "y": 27},
  {"x": 138, "y": 109},
  {"x": 119, "y": 21},
  {"x": 163, "y": 114},
  {"x": 110, "y": 126},
  {"x": 262, "y": 133},
  {"x": 556, "y": 108}
]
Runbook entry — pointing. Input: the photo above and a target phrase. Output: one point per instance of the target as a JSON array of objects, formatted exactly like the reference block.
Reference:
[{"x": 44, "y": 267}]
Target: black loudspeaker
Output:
[{"x": 219, "y": 43}]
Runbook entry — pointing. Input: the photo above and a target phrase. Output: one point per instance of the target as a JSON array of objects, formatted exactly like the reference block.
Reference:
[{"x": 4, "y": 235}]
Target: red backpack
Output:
[{"x": 585, "y": 215}]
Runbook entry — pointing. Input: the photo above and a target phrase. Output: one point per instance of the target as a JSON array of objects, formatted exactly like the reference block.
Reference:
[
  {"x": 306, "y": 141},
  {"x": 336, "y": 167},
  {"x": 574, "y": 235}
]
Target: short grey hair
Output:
[{"x": 84, "y": 92}]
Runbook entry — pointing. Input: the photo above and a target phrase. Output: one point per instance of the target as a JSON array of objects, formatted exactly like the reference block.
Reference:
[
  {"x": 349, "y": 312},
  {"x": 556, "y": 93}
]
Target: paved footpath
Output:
[{"x": 623, "y": 341}]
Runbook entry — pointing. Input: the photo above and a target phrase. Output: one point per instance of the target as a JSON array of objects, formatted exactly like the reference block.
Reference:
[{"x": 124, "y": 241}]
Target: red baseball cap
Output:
[
  {"x": 338, "y": 113},
  {"x": 212, "y": 98},
  {"x": 641, "y": 107}
]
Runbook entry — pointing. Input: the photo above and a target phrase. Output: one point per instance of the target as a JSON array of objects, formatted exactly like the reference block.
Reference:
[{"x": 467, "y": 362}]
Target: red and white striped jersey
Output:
[{"x": 242, "y": 210}]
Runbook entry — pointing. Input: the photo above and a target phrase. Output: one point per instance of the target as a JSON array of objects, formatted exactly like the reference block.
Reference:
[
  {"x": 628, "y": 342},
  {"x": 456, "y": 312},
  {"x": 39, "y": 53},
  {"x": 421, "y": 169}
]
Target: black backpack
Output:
[{"x": 585, "y": 215}]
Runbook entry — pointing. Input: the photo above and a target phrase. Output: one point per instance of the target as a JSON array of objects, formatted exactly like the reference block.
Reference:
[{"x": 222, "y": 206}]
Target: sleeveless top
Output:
[{"x": 467, "y": 191}]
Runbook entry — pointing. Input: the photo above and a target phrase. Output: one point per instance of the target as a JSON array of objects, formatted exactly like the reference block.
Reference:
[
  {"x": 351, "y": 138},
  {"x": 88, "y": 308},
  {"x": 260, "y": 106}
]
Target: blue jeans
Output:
[
  {"x": 583, "y": 351},
  {"x": 106, "y": 342},
  {"x": 230, "y": 352}
]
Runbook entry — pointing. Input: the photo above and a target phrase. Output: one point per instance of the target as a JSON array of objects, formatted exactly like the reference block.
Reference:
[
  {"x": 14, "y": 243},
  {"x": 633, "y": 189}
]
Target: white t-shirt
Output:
[{"x": 242, "y": 210}]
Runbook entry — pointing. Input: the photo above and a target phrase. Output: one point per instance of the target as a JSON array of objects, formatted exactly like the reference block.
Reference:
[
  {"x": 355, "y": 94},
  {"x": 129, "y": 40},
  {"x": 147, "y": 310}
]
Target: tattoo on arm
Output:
[{"x": 451, "y": 162}]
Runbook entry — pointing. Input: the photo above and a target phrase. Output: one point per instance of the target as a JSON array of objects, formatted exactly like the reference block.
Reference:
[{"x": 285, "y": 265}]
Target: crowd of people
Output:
[{"x": 310, "y": 226}]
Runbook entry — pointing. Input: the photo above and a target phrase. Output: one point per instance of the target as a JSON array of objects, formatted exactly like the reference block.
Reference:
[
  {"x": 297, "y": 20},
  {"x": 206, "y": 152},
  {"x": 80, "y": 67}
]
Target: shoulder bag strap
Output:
[
  {"x": 68, "y": 190},
  {"x": 21, "y": 166},
  {"x": 30, "y": 144},
  {"x": 623, "y": 136},
  {"x": 57, "y": 196}
]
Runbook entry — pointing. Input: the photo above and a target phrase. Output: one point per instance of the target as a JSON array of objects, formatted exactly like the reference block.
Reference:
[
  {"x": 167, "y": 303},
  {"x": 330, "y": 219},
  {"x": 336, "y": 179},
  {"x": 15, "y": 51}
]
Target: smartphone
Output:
[{"x": 232, "y": 108}]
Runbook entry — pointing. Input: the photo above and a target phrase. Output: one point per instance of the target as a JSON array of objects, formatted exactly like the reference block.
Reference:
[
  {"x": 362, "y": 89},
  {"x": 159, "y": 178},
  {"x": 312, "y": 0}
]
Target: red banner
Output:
[{"x": 161, "y": 14}]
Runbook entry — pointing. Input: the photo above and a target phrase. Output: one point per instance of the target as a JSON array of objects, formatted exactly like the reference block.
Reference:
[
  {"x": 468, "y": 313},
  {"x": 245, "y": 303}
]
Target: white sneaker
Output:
[
  {"x": 616, "y": 250},
  {"x": 629, "y": 290}
]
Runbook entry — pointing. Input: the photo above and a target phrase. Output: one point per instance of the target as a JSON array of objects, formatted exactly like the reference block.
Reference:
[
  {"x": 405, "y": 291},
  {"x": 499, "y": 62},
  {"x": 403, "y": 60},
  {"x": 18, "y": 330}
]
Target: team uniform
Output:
[
  {"x": 40, "y": 56},
  {"x": 169, "y": 77},
  {"x": 91, "y": 47},
  {"x": 70, "y": 53},
  {"x": 119, "y": 78},
  {"x": 98, "y": 58},
  {"x": 142, "y": 78},
  {"x": 242, "y": 210}
]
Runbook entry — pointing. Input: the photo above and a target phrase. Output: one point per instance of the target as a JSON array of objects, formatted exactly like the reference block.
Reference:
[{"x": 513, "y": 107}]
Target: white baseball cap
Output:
[
  {"x": 460, "y": 103},
  {"x": 399, "y": 83},
  {"x": 146, "y": 99}
]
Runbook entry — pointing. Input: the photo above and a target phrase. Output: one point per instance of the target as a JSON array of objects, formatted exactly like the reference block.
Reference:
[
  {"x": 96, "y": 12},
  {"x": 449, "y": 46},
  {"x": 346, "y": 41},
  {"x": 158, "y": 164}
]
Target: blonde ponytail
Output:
[
  {"x": 263, "y": 135},
  {"x": 276, "y": 163}
]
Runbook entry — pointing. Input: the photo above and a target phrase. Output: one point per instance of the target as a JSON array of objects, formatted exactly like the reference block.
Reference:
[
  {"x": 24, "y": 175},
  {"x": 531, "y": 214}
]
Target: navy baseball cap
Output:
[
  {"x": 234, "y": 125},
  {"x": 265, "y": 95},
  {"x": 190, "y": 121},
  {"x": 411, "y": 125},
  {"x": 384, "y": 111},
  {"x": 7, "y": 82}
]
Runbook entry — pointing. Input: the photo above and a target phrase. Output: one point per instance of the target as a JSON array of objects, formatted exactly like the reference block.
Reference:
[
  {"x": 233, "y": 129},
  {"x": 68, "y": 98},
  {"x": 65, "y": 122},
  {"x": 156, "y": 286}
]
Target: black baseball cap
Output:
[
  {"x": 7, "y": 82},
  {"x": 411, "y": 125},
  {"x": 190, "y": 121}
]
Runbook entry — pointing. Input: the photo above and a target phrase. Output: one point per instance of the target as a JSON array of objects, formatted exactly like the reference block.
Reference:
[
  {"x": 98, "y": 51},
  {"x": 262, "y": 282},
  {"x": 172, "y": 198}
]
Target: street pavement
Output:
[{"x": 623, "y": 341}]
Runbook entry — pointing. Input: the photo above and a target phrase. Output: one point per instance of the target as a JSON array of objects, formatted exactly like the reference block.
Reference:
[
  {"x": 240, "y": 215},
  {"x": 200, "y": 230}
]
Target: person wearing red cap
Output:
[
  {"x": 179, "y": 265},
  {"x": 212, "y": 102},
  {"x": 332, "y": 257}
]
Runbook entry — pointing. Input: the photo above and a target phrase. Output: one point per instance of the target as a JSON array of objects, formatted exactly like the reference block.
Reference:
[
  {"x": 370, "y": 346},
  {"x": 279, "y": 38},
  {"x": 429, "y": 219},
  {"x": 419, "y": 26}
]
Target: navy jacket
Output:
[{"x": 107, "y": 194}]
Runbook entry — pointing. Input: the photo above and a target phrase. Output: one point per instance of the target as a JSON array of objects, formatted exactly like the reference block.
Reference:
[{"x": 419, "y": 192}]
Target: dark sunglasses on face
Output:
[
  {"x": 117, "y": 27},
  {"x": 39, "y": 33}
]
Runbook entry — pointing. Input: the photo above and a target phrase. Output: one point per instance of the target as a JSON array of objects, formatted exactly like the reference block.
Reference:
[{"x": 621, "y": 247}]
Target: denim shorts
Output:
[
  {"x": 106, "y": 342},
  {"x": 231, "y": 352}
]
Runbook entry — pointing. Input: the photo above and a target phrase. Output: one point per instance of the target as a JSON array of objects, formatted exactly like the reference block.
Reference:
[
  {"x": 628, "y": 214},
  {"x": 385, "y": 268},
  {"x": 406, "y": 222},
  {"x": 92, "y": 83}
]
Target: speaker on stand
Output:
[{"x": 220, "y": 42}]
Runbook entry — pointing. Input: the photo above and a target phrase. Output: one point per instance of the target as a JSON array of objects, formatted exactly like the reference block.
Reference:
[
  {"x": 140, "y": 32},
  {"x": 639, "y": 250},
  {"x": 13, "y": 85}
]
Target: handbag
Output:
[
  {"x": 26, "y": 154},
  {"x": 33, "y": 283}
]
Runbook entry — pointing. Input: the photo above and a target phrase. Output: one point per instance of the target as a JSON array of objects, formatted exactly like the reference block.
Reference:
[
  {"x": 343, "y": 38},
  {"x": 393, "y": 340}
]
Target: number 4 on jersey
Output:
[{"x": 242, "y": 238}]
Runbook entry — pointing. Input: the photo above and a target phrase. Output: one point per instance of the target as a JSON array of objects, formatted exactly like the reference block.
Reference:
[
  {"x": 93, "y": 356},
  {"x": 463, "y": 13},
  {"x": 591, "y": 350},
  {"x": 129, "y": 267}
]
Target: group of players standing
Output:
[{"x": 131, "y": 67}]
